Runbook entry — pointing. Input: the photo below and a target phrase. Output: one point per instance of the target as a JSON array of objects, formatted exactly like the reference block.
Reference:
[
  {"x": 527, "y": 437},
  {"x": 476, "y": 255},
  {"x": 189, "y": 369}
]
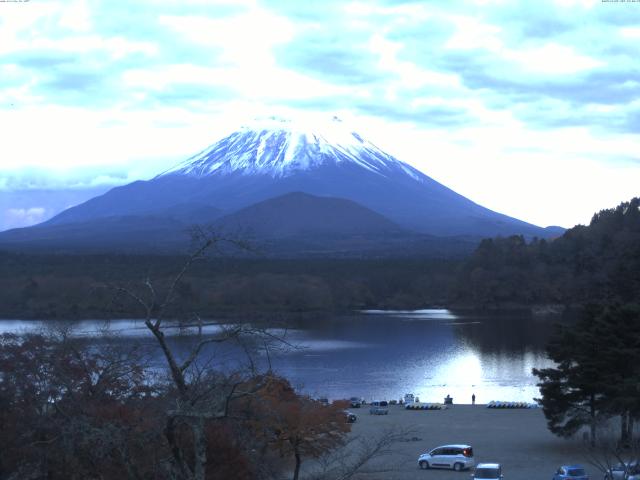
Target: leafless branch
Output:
[{"x": 356, "y": 458}]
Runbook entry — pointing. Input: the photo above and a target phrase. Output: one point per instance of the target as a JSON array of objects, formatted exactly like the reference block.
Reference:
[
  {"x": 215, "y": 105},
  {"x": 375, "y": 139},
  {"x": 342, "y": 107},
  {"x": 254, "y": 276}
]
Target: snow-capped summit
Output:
[
  {"x": 271, "y": 158},
  {"x": 278, "y": 147}
]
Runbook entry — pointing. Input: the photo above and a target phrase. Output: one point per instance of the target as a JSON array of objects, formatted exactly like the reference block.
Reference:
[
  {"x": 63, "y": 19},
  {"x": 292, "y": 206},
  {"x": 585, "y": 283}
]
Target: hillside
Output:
[{"x": 598, "y": 262}]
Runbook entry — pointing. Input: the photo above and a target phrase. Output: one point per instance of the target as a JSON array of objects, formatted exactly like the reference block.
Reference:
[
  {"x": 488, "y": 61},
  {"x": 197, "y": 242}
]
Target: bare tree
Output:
[
  {"x": 201, "y": 395},
  {"x": 609, "y": 453},
  {"x": 361, "y": 457}
]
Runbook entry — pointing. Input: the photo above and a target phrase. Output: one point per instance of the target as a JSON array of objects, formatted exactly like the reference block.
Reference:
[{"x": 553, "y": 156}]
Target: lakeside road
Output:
[{"x": 516, "y": 438}]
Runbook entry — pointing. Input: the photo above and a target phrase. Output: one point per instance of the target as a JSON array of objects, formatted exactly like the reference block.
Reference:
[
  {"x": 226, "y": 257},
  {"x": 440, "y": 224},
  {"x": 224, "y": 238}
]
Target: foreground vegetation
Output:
[
  {"x": 74, "y": 408},
  {"x": 70, "y": 411}
]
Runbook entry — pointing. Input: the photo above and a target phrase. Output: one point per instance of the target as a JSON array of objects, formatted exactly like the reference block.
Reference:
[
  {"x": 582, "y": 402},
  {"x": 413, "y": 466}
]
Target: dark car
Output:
[
  {"x": 351, "y": 417},
  {"x": 356, "y": 402},
  {"x": 570, "y": 472}
]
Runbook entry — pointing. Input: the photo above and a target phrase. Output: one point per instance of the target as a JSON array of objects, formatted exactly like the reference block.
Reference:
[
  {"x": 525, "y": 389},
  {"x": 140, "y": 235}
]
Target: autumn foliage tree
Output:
[
  {"x": 69, "y": 411},
  {"x": 296, "y": 426}
]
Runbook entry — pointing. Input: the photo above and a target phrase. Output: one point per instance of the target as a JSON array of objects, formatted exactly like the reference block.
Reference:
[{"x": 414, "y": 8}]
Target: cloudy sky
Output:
[{"x": 531, "y": 109}]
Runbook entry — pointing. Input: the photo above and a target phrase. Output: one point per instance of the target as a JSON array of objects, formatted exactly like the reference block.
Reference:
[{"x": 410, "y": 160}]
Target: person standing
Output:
[{"x": 473, "y": 399}]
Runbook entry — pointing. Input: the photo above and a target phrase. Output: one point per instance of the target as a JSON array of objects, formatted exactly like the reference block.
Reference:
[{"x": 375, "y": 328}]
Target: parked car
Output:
[
  {"x": 487, "y": 471},
  {"x": 458, "y": 457},
  {"x": 570, "y": 472},
  {"x": 351, "y": 417},
  {"x": 356, "y": 402},
  {"x": 379, "y": 403},
  {"x": 378, "y": 411},
  {"x": 624, "y": 471}
]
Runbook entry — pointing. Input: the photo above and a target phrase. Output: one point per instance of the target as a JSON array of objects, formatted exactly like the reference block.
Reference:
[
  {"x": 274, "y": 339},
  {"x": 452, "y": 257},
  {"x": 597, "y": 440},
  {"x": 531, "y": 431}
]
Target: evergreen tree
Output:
[
  {"x": 597, "y": 374},
  {"x": 619, "y": 331},
  {"x": 573, "y": 393}
]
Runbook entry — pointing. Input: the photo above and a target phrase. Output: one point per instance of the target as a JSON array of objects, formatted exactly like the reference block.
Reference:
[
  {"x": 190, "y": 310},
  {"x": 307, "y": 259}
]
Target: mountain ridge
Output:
[{"x": 266, "y": 161}]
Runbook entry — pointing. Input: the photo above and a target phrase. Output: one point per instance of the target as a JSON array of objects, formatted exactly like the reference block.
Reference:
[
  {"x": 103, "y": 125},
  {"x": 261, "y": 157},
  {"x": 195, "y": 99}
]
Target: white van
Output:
[{"x": 457, "y": 457}]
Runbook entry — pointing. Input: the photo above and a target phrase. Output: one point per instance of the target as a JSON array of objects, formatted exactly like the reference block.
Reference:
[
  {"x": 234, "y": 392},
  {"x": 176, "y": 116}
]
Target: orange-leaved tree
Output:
[{"x": 296, "y": 425}]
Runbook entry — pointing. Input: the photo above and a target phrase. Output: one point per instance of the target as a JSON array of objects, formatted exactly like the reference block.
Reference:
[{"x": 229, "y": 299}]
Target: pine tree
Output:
[
  {"x": 573, "y": 393},
  {"x": 618, "y": 328},
  {"x": 597, "y": 374}
]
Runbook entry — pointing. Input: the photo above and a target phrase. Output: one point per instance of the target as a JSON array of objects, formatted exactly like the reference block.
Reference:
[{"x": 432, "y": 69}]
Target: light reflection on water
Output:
[
  {"x": 380, "y": 355},
  {"x": 430, "y": 354},
  {"x": 426, "y": 314}
]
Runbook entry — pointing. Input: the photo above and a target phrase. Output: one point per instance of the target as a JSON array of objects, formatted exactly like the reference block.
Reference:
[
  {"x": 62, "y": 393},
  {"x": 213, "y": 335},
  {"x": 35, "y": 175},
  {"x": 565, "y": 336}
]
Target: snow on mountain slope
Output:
[
  {"x": 280, "y": 147},
  {"x": 270, "y": 158}
]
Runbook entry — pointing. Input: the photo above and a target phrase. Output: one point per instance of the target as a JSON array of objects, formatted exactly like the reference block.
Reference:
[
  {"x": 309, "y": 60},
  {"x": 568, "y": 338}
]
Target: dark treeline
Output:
[
  {"x": 595, "y": 263},
  {"x": 76, "y": 286}
]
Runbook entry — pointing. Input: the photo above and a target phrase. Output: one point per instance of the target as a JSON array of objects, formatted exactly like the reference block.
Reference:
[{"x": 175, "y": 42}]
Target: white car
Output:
[
  {"x": 487, "y": 471},
  {"x": 457, "y": 457},
  {"x": 624, "y": 471}
]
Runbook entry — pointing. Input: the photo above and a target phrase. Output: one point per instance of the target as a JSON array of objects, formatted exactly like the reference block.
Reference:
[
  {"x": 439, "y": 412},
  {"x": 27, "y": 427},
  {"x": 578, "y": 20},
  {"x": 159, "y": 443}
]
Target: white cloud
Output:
[
  {"x": 473, "y": 34},
  {"x": 61, "y": 27},
  {"x": 410, "y": 74},
  {"x": 588, "y": 4},
  {"x": 77, "y": 17},
  {"x": 500, "y": 158},
  {"x": 552, "y": 59},
  {"x": 630, "y": 32},
  {"x": 24, "y": 216},
  {"x": 246, "y": 40},
  {"x": 547, "y": 178}
]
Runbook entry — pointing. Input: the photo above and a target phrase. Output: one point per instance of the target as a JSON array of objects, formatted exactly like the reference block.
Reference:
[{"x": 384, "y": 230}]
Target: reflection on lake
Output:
[{"x": 385, "y": 354}]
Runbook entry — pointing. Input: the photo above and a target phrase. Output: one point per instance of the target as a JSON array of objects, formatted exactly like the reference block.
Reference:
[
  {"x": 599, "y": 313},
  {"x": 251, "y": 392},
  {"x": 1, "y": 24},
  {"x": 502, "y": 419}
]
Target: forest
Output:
[
  {"x": 597, "y": 262},
  {"x": 77, "y": 286}
]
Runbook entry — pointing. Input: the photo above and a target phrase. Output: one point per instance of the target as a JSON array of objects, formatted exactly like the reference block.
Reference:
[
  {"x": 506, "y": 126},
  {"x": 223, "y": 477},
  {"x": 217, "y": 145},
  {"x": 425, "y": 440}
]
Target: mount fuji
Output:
[{"x": 232, "y": 181}]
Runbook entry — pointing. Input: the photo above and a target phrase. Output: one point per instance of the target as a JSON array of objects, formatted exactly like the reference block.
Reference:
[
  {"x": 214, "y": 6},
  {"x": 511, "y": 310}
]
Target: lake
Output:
[{"x": 382, "y": 354}]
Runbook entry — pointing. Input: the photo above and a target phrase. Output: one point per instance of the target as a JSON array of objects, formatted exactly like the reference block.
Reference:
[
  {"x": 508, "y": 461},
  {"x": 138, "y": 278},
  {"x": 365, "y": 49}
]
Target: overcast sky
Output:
[{"x": 531, "y": 109}]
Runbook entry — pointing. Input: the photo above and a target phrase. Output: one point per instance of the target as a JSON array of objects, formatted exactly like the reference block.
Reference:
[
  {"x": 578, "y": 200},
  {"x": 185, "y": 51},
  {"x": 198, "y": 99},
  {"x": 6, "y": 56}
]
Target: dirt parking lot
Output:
[{"x": 516, "y": 438}]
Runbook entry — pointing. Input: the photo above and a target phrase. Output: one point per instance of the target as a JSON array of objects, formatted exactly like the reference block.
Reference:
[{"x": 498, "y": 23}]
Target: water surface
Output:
[{"x": 378, "y": 354}]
